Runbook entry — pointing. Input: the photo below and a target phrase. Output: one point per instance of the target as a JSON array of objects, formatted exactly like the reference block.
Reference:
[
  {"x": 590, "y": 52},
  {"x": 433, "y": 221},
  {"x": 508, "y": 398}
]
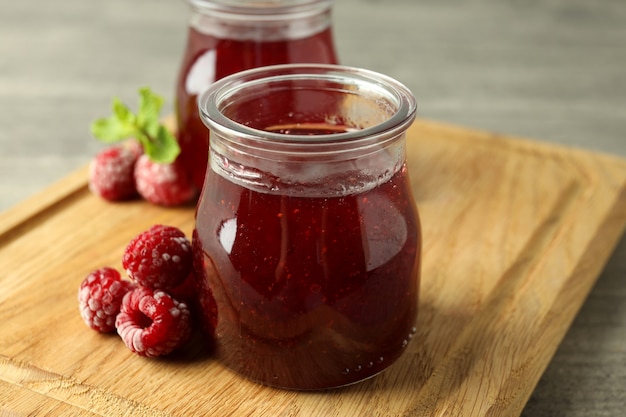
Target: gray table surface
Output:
[{"x": 552, "y": 70}]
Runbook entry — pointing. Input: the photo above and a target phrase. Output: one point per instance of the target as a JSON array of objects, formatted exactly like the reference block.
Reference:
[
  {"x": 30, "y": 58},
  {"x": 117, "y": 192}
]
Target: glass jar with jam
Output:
[
  {"x": 228, "y": 36},
  {"x": 307, "y": 239}
]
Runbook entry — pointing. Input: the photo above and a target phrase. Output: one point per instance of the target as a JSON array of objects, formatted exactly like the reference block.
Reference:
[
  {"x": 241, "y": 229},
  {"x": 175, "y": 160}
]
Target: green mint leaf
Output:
[
  {"x": 159, "y": 144},
  {"x": 148, "y": 115},
  {"x": 163, "y": 148},
  {"x": 111, "y": 130},
  {"x": 123, "y": 113}
]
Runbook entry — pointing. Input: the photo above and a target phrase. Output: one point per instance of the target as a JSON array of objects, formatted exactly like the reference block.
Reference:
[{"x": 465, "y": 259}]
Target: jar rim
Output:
[
  {"x": 244, "y": 9},
  {"x": 209, "y": 104}
]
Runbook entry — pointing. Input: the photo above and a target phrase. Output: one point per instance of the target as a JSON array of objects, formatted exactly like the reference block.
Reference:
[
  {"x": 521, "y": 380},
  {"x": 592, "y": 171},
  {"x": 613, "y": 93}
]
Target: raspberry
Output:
[
  {"x": 100, "y": 297},
  {"x": 152, "y": 323},
  {"x": 159, "y": 258},
  {"x": 163, "y": 184},
  {"x": 111, "y": 171}
]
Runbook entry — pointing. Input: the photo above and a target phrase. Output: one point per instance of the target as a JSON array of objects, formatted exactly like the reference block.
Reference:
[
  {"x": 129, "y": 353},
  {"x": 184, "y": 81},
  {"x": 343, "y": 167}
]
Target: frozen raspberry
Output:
[
  {"x": 152, "y": 323},
  {"x": 111, "y": 172},
  {"x": 159, "y": 258},
  {"x": 163, "y": 184},
  {"x": 100, "y": 297}
]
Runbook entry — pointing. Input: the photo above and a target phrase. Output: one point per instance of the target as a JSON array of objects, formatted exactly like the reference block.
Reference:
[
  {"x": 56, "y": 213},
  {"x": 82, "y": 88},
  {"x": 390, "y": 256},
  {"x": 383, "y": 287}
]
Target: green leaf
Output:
[
  {"x": 112, "y": 130},
  {"x": 123, "y": 113},
  {"x": 163, "y": 148},
  {"x": 148, "y": 115},
  {"x": 158, "y": 142}
]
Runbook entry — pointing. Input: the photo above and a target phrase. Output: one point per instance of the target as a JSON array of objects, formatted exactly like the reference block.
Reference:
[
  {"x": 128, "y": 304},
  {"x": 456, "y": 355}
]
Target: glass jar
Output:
[
  {"x": 307, "y": 239},
  {"x": 228, "y": 36}
]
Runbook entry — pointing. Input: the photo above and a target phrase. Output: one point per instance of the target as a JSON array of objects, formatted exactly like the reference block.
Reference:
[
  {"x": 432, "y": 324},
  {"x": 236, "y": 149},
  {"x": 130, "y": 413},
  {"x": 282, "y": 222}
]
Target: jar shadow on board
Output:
[
  {"x": 228, "y": 36},
  {"x": 307, "y": 238}
]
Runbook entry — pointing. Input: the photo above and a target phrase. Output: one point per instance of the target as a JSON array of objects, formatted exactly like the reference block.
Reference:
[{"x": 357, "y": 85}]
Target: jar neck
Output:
[
  {"x": 260, "y": 21},
  {"x": 323, "y": 174}
]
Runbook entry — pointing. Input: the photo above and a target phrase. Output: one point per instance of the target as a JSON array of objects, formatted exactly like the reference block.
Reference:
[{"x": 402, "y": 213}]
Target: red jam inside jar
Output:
[
  {"x": 307, "y": 237},
  {"x": 228, "y": 36}
]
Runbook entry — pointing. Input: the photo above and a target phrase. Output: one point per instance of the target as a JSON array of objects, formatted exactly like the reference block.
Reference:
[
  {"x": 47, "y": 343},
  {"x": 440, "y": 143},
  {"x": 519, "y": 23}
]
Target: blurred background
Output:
[
  {"x": 553, "y": 70},
  {"x": 549, "y": 70}
]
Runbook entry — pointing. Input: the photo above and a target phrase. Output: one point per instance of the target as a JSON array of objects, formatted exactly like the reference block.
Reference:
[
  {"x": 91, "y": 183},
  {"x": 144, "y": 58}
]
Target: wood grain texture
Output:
[{"x": 515, "y": 234}]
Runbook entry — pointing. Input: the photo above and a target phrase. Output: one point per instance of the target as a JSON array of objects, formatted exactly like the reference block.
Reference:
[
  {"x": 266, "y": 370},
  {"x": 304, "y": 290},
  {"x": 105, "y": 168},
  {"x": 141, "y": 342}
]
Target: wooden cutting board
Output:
[{"x": 515, "y": 234}]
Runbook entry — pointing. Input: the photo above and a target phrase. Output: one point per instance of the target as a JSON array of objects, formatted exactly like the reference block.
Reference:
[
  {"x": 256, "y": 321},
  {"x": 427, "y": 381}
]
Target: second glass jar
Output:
[{"x": 228, "y": 36}]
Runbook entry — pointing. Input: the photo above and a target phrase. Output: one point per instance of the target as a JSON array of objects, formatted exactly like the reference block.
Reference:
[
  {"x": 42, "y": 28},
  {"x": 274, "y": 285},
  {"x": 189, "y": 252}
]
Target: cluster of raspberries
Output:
[
  {"x": 123, "y": 171},
  {"x": 151, "y": 311}
]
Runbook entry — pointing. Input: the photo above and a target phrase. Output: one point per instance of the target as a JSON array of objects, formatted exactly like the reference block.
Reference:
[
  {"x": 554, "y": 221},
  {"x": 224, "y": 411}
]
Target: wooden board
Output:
[{"x": 515, "y": 234}]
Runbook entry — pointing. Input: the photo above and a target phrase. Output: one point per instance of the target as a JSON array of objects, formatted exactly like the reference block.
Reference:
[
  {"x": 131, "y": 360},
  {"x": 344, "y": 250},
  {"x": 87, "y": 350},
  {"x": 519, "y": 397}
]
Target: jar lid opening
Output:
[
  {"x": 312, "y": 104},
  {"x": 259, "y": 9}
]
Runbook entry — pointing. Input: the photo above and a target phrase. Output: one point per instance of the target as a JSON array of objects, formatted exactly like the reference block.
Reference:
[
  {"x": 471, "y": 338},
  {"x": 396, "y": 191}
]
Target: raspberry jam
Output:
[
  {"x": 307, "y": 238},
  {"x": 226, "y": 37}
]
